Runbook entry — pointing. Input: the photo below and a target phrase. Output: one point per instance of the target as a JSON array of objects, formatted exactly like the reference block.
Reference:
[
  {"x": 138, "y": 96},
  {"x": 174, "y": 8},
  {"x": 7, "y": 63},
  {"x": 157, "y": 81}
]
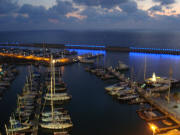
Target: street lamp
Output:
[
  {"x": 53, "y": 61},
  {"x": 153, "y": 128}
]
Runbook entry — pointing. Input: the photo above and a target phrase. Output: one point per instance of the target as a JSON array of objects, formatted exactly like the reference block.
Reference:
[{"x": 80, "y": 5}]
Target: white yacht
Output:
[
  {"x": 56, "y": 125},
  {"x": 117, "y": 86},
  {"x": 56, "y": 117},
  {"x": 57, "y": 97},
  {"x": 16, "y": 126},
  {"x": 121, "y": 66}
]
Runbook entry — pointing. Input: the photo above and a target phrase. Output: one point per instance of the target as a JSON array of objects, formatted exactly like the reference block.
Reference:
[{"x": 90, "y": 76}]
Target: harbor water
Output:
[{"x": 92, "y": 110}]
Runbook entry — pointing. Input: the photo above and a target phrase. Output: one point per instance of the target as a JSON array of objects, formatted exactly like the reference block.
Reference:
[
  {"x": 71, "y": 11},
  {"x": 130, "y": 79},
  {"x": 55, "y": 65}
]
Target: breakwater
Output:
[{"x": 99, "y": 47}]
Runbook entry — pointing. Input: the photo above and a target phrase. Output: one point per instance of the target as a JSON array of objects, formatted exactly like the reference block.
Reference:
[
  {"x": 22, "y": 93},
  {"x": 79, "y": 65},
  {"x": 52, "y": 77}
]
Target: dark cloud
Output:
[
  {"x": 165, "y": 2},
  {"x": 129, "y": 7},
  {"x": 35, "y": 14},
  {"x": 7, "y": 6},
  {"x": 29, "y": 9},
  {"x": 62, "y": 7},
  {"x": 103, "y": 3},
  {"x": 156, "y": 8},
  {"x": 39, "y": 13},
  {"x": 129, "y": 13},
  {"x": 98, "y": 14}
]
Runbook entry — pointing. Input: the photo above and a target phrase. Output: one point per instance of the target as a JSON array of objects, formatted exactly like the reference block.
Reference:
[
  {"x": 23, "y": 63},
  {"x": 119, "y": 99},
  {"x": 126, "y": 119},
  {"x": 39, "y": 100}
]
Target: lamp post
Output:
[
  {"x": 153, "y": 128},
  {"x": 170, "y": 77}
]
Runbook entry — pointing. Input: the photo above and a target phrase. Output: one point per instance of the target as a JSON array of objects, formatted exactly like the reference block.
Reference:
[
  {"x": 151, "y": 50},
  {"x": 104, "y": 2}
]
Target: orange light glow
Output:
[
  {"x": 153, "y": 127},
  {"x": 63, "y": 60},
  {"x": 31, "y": 57}
]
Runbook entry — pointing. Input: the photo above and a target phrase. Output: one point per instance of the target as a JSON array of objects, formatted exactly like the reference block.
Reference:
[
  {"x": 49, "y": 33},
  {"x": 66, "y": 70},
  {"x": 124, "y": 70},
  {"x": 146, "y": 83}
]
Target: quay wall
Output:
[{"x": 98, "y": 47}]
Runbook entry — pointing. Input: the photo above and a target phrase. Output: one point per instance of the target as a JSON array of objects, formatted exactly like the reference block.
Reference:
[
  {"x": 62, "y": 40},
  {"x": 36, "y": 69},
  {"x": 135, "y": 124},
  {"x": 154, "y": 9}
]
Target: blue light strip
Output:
[
  {"x": 155, "y": 49},
  {"x": 83, "y": 51},
  {"x": 168, "y": 56},
  {"x": 85, "y": 46}
]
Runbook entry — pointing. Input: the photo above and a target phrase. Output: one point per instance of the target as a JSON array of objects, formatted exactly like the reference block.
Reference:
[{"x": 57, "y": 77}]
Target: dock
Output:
[
  {"x": 168, "y": 128},
  {"x": 164, "y": 108},
  {"x": 151, "y": 119}
]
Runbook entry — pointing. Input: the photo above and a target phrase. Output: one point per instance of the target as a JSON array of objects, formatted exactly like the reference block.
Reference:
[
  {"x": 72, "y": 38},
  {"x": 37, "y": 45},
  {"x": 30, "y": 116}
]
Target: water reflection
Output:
[
  {"x": 159, "y": 63},
  {"x": 84, "y": 51}
]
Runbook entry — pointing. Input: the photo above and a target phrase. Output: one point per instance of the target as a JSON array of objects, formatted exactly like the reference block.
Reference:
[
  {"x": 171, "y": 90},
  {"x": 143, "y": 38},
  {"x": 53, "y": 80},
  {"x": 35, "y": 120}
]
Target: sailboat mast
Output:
[
  {"x": 30, "y": 77},
  {"x": 54, "y": 79},
  {"x": 52, "y": 108},
  {"x": 11, "y": 125},
  {"x": 145, "y": 69},
  {"x": 6, "y": 130},
  {"x": 19, "y": 109},
  {"x": 132, "y": 74},
  {"x": 60, "y": 74},
  {"x": 97, "y": 63},
  {"x": 170, "y": 77}
]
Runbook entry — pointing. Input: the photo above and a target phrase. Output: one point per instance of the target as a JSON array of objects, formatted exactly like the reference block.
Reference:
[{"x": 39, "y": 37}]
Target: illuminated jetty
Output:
[
  {"x": 34, "y": 58},
  {"x": 155, "y": 50},
  {"x": 98, "y": 47}
]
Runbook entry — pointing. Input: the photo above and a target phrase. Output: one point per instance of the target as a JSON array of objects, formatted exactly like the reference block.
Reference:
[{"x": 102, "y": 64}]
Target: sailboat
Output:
[
  {"x": 121, "y": 66},
  {"x": 55, "y": 121},
  {"x": 58, "y": 97},
  {"x": 56, "y": 117},
  {"x": 16, "y": 126},
  {"x": 56, "y": 112}
]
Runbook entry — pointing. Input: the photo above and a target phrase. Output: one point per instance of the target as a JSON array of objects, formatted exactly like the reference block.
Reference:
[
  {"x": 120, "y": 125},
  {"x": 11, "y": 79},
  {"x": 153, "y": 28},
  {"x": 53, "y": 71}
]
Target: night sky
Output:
[{"x": 89, "y": 14}]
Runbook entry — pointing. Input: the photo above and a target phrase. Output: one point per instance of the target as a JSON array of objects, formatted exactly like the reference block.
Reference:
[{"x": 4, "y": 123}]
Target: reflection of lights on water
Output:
[
  {"x": 84, "y": 51},
  {"x": 153, "y": 127},
  {"x": 63, "y": 60},
  {"x": 155, "y": 56},
  {"x": 155, "y": 49},
  {"x": 62, "y": 69},
  {"x": 53, "y": 61},
  {"x": 154, "y": 77}
]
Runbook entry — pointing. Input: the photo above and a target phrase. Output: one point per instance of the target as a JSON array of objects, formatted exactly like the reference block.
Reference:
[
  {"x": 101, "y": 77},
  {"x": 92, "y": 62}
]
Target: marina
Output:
[
  {"x": 125, "y": 91},
  {"x": 89, "y": 67}
]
